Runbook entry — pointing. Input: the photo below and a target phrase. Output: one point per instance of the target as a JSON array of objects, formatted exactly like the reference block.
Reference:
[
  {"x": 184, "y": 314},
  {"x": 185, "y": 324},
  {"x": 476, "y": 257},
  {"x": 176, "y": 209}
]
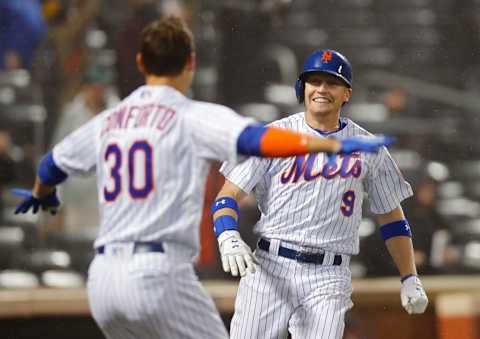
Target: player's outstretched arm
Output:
[
  {"x": 398, "y": 239},
  {"x": 361, "y": 143},
  {"x": 237, "y": 256},
  {"x": 277, "y": 142},
  {"x": 43, "y": 194}
]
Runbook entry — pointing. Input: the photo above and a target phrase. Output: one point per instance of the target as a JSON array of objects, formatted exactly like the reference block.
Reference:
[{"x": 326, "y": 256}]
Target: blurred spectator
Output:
[
  {"x": 403, "y": 106},
  {"x": 429, "y": 227},
  {"x": 63, "y": 57},
  {"x": 7, "y": 168},
  {"x": 430, "y": 231},
  {"x": 396, "y": 101},
  {"x": 21, "y": 30},
  {"x": 79, "y": 213},
  {"x": 95, "y": 95},
  {"x": 67, "y": 34}
]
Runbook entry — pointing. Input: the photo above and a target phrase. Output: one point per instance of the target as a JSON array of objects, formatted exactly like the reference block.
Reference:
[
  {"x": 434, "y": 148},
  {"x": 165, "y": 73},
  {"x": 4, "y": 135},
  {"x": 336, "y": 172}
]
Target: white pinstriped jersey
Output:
[
  {"x": 151, "y": 155},
  {"x": 305, "y": 202}
]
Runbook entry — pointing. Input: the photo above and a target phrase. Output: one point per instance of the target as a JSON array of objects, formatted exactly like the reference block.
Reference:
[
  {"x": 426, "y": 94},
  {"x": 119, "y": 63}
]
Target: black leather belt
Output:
[
  {"x": 139, "y": 247},
  {"x": 311, "y": 258}
]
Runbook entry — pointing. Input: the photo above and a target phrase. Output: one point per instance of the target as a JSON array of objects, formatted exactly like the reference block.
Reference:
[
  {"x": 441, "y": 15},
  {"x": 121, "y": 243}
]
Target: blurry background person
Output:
[
  {"x": 80, "y": 212},
  {"x": 7, "y": 167},
  {"x": 422, "y": 211},
  {"x": 21, "y": 30},
  {"x": 433, "y": 252},
  {"x": 65, "y": 53}
]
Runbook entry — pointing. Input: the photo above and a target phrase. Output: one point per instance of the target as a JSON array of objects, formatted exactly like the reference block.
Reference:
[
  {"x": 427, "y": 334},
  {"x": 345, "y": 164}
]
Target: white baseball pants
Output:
[
  {"x": 307, "y": 300},
  {"x": 150, "y": 295}
]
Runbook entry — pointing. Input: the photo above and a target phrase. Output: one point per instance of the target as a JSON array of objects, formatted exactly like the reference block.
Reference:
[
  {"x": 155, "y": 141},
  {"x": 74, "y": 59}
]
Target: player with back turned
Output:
[
  {"x": 151, "y": 155},
  {"x": 311, "y": 209}
]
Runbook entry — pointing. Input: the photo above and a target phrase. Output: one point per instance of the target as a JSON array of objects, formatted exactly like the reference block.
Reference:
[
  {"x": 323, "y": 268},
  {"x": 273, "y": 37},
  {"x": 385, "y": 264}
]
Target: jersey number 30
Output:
[{"x": 139, "y": 159}]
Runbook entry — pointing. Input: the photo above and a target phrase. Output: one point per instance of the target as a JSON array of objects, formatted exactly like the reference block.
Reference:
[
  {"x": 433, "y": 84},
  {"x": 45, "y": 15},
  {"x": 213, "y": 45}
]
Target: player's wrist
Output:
[
  {"x": 336, "y": 145},
  {"x": 43, "y": 192},
  {"x": 227, "y": 235},
  {"x": 48, "y": 173},
  {"x": 405, "y": 277}
]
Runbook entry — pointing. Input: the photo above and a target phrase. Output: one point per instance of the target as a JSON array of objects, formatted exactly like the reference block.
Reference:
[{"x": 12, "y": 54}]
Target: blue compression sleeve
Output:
[
  {"x": 248, "y": 142},
  {"x": 225, "y": 202},
  {"x": 49, "y": 172},
  {"x": 395, "y": 228},
  {"x": 224, "y": 223}
]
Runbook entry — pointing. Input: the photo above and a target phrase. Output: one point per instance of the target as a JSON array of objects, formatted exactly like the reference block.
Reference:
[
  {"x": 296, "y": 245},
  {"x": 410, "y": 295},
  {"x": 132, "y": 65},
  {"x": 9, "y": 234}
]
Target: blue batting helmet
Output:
[{"x": 326, "y": 61}]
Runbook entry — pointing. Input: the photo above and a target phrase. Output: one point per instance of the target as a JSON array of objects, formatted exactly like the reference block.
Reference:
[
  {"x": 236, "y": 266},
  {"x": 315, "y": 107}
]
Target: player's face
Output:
[{"x": 325, "y": 94}]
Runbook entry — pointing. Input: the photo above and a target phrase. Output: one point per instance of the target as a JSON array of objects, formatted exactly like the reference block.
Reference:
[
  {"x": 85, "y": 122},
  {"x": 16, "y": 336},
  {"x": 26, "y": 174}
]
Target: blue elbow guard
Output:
[
  {"x": 48, "y": 171},
  {"x": 224, "y": 223},
  {"x": 396, "y": 228}
]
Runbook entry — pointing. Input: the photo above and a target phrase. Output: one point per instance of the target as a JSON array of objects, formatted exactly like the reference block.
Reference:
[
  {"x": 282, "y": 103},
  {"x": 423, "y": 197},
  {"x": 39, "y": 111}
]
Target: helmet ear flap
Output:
[{"x": 300, "y": 90}]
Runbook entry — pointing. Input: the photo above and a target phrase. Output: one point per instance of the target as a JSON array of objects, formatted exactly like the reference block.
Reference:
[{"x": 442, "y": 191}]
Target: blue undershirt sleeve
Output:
[{"x": 248, "y": 142}]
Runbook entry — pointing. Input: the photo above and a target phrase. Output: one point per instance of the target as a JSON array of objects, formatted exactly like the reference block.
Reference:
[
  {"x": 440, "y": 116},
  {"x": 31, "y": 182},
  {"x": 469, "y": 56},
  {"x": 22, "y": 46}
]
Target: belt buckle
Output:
[{"x": 119, "y": 250}]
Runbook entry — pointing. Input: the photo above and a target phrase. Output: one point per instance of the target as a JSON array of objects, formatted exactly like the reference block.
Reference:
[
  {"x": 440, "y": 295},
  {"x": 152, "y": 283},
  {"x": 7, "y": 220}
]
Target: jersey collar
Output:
[{"x": 342, "y": 123}]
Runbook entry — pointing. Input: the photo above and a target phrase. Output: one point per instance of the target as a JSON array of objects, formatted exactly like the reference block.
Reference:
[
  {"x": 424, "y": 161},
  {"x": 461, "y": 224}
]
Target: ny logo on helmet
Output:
[{"x": 326, "y": 57}]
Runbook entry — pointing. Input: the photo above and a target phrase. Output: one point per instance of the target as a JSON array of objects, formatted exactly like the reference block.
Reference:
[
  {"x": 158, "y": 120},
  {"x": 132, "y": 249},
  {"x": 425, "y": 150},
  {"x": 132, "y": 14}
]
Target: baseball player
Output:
[
  {"x": 311, "y": 208},
  {"x": 151, "y": 154}
]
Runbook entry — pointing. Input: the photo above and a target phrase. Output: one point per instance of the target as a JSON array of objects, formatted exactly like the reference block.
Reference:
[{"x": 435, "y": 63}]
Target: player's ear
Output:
[
  {"x": 140, "y": 65},
  {"x": 348, "y": 95},
  {"x": 192, "y": 62}
]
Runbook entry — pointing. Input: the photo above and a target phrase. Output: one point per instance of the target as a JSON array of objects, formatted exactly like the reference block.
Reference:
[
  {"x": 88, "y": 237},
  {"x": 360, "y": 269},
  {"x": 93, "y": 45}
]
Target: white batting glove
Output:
[
  {"x": 413, "y": 296},
  {"x": 237, "y": 257}
]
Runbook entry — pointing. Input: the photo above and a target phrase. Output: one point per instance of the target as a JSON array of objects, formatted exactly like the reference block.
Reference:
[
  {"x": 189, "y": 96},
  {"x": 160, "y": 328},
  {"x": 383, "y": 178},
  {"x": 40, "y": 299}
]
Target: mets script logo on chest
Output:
[{"x": 348, "y": 166}]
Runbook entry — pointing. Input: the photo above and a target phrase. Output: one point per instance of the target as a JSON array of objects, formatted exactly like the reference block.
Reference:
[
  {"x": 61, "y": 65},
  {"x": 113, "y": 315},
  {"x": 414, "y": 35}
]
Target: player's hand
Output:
[
  {"x": 47, "y": 203},
  {"x": 237, "y": 257},
  {"x": 413, "y": 296},
  {"x": 362, "y": 144}
]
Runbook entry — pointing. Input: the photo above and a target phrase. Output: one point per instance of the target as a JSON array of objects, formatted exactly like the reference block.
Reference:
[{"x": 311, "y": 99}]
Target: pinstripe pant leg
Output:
[
  {"x": 175, "y": 306},
  {"x": 262, "y": 309},
  {"x": 325, "y": 320},
  {"x": 197, "y": 314},
  {"x": 150, "y": 297},
  {"x": 326, "y": 300},
  {"x": 104, "y": 289}
]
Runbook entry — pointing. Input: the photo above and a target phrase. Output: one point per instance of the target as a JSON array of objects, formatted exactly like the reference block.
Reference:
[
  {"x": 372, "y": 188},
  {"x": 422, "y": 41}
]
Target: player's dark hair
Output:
[{"x": 165, "y": 46}]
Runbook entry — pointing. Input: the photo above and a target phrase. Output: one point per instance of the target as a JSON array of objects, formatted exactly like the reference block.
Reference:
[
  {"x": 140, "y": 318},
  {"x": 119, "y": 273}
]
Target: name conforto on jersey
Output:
[{"x": 131, "y": 117}]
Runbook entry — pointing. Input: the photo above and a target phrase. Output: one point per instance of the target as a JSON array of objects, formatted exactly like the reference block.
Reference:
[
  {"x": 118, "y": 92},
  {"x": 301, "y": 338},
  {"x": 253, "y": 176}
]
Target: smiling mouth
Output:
[{"x": 321, "y": 100}]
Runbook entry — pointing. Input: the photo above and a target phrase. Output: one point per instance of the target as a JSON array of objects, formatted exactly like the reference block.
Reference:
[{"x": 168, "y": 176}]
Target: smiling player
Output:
[{"x": 311, "y": 209}]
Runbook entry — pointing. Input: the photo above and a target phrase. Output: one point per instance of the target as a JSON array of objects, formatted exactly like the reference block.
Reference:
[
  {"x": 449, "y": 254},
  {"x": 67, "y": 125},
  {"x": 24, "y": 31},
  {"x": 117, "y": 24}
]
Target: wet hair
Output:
[{"x": 166, "y": 45}]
